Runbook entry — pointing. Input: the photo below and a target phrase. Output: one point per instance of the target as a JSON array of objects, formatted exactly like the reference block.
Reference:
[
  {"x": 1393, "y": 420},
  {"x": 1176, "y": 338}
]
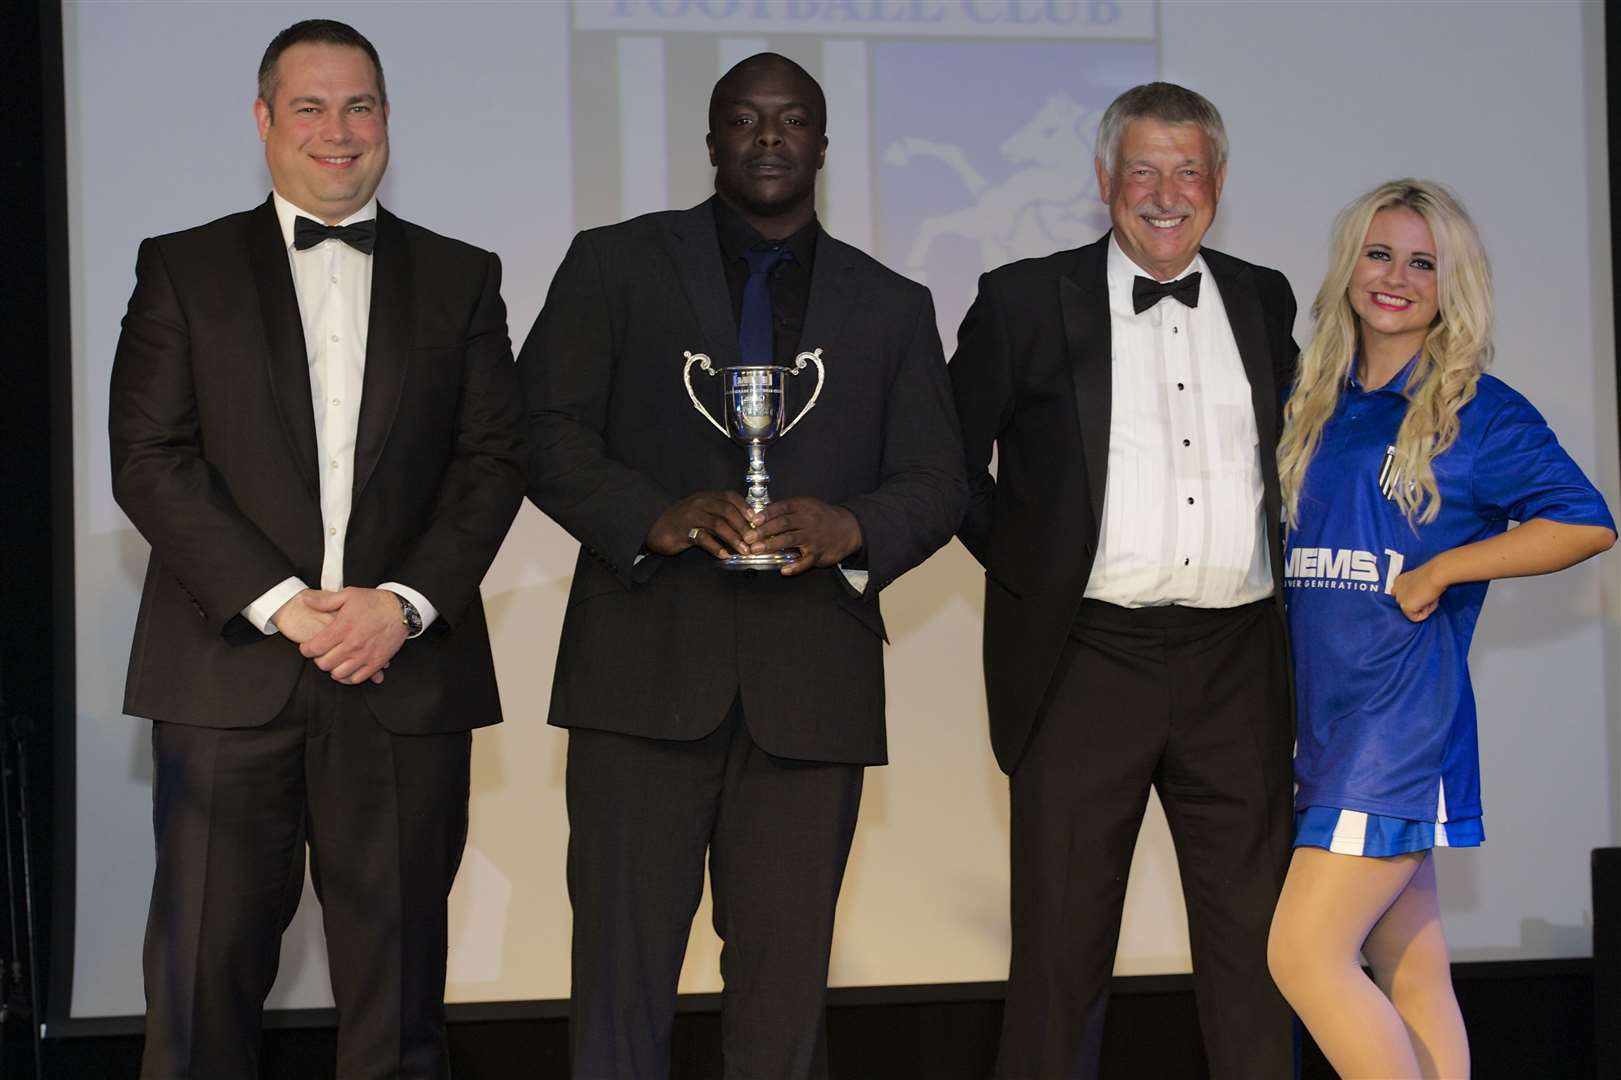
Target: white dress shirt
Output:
[
  {"x": 1184, "y": 520},
  {"x": 333, "y": 283}
]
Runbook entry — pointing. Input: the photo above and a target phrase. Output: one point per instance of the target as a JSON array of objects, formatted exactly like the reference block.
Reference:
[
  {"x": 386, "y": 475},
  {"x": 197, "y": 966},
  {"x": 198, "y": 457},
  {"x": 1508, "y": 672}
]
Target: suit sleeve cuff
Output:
[
  {"x": 424, "y": 608},
  {"x": 260, "y": 612}
]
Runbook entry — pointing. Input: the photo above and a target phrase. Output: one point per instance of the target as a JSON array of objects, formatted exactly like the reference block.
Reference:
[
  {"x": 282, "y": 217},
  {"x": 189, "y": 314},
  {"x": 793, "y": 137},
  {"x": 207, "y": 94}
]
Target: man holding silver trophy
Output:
[{"x": 728, "y": 714}]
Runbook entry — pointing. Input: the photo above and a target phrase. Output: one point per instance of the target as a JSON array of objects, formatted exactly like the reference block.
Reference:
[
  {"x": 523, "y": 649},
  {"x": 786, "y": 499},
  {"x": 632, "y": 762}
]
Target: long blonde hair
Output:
[{"x": 1455, "y": 351}]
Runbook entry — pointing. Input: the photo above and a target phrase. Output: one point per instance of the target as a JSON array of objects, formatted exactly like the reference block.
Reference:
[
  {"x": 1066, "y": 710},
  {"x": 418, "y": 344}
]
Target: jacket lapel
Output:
[
  {"x": 289, "y": 368},
  {"x": 696, "y": 251},
  {"x": 388, "y": 341},
  {"x": 1248, "y": 322},
  {"x": 832, "y": 293},
  {"x": 1242, "y": 300},
  {"x": 1083, "y": 298}
]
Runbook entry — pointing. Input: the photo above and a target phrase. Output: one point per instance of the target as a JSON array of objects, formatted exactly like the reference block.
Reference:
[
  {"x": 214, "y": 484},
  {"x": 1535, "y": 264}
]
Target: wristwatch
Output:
[{"x": 410, "y": 616}]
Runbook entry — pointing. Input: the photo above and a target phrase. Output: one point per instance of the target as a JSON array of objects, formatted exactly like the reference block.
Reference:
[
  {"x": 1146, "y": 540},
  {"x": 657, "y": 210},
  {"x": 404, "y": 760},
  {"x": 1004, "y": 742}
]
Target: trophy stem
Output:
[
  {"x": 758, "y": 498},
  {"x": 757, "y": 479}
]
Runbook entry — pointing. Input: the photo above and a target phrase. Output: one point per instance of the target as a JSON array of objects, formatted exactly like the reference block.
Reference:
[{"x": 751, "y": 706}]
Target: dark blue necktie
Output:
[{"x": 754, "y": 337}]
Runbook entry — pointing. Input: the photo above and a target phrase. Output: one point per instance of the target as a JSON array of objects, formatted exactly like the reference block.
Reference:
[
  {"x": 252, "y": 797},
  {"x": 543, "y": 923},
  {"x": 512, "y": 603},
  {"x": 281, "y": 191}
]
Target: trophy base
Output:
[{"x": 774, "y": 561}]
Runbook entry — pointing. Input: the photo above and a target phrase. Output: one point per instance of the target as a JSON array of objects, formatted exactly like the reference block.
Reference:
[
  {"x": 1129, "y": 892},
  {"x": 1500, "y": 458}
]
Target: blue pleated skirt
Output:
[{"x": 1352, "y": 832}]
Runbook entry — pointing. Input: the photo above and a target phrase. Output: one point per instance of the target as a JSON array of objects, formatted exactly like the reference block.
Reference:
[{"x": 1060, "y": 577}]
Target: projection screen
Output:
[{"x": 960, "y": 138}]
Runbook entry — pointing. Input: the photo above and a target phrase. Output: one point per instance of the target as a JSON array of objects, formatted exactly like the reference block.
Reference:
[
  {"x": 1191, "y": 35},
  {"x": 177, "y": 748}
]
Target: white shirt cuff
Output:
[
  {"x": 420, "y": 602},
  {"x": 259, "y": 612}
]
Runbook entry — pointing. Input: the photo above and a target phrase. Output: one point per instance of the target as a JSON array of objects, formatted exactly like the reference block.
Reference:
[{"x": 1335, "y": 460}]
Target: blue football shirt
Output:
[{"x": 1386, "y": 713}]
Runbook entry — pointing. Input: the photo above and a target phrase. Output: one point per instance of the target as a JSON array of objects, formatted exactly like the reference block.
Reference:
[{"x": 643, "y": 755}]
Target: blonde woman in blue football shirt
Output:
[{"x": 1402, "y": 464}]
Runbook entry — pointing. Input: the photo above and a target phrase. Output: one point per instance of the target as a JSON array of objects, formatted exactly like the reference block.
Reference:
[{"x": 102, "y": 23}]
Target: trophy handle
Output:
[
  {"x": 821, "y": 373},
  {"x": 708, "y": 368}
]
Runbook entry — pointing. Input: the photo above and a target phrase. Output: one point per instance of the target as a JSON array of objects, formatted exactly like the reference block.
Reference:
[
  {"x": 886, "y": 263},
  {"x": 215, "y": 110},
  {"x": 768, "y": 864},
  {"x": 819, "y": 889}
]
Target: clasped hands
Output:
[
  {"x": 721, "y": 523},
  {"x": 351, "y": 634}
]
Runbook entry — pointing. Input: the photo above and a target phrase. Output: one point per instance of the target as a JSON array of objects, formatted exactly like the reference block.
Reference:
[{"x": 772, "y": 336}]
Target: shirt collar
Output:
[
  {"x": 1121, "y": 271},
  {"x": 1396, "y": 385},
  {"x": 287, "y": 213},
  {"x": 737, "y": 235}
]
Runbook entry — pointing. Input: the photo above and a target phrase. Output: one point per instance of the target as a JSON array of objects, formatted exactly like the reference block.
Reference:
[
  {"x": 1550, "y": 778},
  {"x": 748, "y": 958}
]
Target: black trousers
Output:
[
  {"x": 385, "y": 819},
  {"x": 642, "y": 812},
  {"x": 1194, "y": 703}
]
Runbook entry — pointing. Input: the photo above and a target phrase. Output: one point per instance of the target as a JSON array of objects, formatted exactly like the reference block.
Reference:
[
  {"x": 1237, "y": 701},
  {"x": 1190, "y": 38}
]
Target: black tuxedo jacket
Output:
[
  {"x": 1032, "y": 376},
  {"x": 661, "y": 647},
  {"x": 214, "y": 460}
]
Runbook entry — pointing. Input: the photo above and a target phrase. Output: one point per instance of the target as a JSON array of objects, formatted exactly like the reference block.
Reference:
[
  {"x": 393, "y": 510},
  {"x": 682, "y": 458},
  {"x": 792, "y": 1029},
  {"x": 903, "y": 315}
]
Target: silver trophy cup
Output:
[{"x": 755, "y": 408}]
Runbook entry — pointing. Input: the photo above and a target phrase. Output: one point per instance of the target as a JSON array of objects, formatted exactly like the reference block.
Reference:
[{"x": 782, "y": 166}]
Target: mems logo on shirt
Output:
[{"x": 1342, "y": 568}]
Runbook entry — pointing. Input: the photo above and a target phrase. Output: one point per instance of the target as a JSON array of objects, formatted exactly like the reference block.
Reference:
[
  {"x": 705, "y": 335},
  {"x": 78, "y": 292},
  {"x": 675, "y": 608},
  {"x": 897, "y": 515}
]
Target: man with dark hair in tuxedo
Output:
[
  {"x": 712, "y": 712},
  {"x": 315, "y": 424}
]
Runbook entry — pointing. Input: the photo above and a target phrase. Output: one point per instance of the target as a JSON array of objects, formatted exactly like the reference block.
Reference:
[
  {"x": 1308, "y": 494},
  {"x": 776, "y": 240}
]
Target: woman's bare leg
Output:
[
  {"x": 1330, "y": 904},
  {"x": 1408, "y": 953}
]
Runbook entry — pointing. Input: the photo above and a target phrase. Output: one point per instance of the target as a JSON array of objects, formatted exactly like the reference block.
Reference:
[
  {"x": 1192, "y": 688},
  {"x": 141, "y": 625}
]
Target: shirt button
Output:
[
  {"x": 1186, "y": 561},
  {"x": 334, "y": 463},
  {"x": 333, "y": 531},
  {"x": 337, "y": 401},
  {"x": 334, "y": 279},
  {"x": 1179, "y": 386},
  {"x": 1174, "y": 330},
  {"x": 1185, "y": 442},
  {"x": 1190, "y": 500}
]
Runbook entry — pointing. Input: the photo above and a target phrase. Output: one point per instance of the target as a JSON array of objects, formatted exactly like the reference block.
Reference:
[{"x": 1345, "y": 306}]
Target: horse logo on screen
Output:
[{"x": 1049, "y": 201}]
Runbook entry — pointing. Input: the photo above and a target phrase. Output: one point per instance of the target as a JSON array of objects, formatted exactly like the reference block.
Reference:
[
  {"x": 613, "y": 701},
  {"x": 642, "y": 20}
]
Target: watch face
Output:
[{"x": 411, "y": 617}]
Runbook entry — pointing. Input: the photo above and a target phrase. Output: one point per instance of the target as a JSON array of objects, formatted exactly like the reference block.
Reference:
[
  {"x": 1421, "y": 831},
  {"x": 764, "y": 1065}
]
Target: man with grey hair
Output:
[{"x": 1133, "y": 604}]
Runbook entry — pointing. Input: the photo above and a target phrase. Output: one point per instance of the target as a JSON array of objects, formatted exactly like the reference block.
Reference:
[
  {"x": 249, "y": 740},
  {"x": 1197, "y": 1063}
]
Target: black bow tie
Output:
[
  {"x": 362, "y": 235},
  {"x": 1146, "y": 292}
]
